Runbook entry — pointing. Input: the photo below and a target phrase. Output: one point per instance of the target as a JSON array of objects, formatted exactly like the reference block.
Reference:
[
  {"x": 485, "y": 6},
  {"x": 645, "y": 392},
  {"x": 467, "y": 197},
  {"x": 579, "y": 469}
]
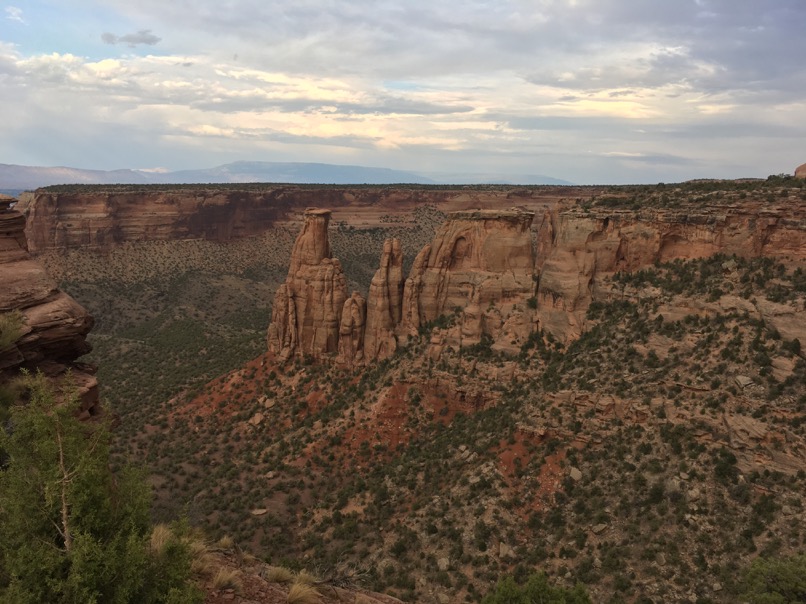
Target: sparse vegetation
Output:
[{"x": 627, "y": 460}]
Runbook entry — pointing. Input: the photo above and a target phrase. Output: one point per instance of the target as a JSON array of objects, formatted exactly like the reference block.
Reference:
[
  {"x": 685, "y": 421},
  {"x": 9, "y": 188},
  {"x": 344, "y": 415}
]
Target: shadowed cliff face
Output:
[
  {"x": 102, "y": 218},
  {"x": 53, "y": 327}
]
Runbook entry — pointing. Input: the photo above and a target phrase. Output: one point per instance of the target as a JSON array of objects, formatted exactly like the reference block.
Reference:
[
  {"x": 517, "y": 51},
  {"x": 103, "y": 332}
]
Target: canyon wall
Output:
[
  {"x": 579, "y": 250},
  {"x": 484, "y": 267},
  {"x": 52, "y": 328},
  {"x": 101, "y": 217}
]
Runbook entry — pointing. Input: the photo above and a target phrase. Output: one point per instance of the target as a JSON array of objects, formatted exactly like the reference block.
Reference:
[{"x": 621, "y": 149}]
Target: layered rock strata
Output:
[
  {"x": 102, "y": 217},
  {"x": 480, "y": 262},
  {"x": 385, "y": 302},
  {"x": 307, "y": 309},
  {"x": 52, "y": 325},
  {"x": 578, "y": 251}
]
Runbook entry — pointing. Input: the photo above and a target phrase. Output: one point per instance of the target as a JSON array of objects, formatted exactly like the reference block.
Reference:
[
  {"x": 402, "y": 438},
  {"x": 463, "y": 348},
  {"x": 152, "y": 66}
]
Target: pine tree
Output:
[{"x": 71, "y": 530}]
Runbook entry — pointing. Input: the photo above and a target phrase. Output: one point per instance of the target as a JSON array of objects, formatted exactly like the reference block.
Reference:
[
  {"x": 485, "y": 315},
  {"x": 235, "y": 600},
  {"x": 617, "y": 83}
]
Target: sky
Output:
[{"x": 590, "y": 91}]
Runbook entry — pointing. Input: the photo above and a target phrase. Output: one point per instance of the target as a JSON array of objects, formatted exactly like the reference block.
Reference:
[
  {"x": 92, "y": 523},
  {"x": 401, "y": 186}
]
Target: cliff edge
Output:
[{"x": 52, "y": 326}]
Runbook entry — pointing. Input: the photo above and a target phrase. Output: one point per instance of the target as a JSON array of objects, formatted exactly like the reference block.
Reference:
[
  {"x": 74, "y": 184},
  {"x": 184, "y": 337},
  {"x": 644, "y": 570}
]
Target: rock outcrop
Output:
[
  {"x": 351, "y": 331},
  {"x": 385, "y": 303},
  {"x": 481, "y": 266},
  {"x": 52, "y": 326},
  {"x": 800, "y": 171},
  {"x": 578, "y": 251},
  {"x": 307, "y": 308},
  {"x": 480, "y": 263}
]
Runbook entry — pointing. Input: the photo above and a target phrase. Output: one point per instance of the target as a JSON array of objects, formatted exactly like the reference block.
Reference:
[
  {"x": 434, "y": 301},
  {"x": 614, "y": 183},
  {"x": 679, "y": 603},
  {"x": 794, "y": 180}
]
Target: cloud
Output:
[
  {"x": 14, "y": 13},
  {"x": 515, "y": 83},
  {"x": 142, "y": 37}
]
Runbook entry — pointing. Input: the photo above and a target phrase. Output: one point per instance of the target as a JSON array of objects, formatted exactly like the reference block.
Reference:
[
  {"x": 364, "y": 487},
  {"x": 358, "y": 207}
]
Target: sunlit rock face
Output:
[
  {"x": 385, "y": 303},
  {"x": 308, "y": 306},
  {"x": 578, "y": 251},
  {"x": 481, "y": 264}
]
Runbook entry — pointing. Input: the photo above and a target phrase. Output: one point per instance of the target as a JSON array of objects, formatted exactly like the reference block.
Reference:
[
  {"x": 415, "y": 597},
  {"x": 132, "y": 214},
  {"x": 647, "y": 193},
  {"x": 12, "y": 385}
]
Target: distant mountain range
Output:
[{"x": 14, "y": 179}]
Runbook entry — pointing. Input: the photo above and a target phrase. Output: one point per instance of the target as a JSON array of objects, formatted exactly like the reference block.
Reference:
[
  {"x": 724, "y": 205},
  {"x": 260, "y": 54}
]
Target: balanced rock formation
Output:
[
  {"x": 480, "y": 263},
  {"x": 800, "y": 171},
  {"x": 385, "y": 303},
  {"x": 52, "y": 326},
  {"x": 308, "y": 306}
]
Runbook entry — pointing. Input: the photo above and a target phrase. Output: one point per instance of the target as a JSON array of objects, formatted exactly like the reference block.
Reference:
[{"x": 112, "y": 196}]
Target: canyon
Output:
[
  {"x": 450, "y": 384},
  {"x": 105, "y": 216},
  {"x": 484, "y": 265}
]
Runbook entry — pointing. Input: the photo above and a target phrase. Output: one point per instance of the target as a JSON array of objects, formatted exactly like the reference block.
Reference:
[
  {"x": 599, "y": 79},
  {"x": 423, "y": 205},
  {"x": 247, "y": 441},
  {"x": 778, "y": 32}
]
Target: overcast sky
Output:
[{"x": 591, "y": 91}]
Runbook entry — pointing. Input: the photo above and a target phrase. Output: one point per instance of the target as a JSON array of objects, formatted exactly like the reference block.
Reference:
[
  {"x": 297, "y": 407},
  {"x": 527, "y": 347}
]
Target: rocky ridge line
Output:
[
  {"x": 481, "y": 266},
  {"x": 480, "y": 263}
]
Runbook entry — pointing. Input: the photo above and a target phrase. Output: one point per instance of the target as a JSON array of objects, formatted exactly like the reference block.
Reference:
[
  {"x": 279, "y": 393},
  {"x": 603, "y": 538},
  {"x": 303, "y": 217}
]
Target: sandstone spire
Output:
[
  {"x": 800, "y": 171},
  {"x": 351, "y": 330},
  {"x": 307, "y": 308},
  {"x": 384, "y": 305}
]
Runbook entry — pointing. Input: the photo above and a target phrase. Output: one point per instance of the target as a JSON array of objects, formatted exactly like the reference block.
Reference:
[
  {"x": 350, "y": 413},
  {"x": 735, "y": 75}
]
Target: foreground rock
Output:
[{"x": 53, "y": 327}]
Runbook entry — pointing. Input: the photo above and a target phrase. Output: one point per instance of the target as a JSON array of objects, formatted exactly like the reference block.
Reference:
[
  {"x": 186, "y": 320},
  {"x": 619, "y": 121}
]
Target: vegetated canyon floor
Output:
[{"x": 651, "y": 458}]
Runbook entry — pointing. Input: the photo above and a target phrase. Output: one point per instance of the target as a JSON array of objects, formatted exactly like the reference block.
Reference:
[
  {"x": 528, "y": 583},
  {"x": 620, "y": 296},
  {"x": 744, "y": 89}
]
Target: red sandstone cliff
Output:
[
  {"x": 54, "y": 326},
  {"x": 102, "y": 217},
  {"x": 480, "y": 262},
  {"x": 481, "y": 265},
  {"x": 308, "y": 306},
  {"x": 579, "y": 250}
]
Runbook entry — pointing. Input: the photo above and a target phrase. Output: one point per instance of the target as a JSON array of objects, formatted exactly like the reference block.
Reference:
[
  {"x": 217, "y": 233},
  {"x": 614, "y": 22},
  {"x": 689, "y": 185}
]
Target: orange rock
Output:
[
  {"x": 351, "y": 331},
  {"x": 308, "y": 307},
  {"x": 481, "y": 263},
  {"x": 385, "y": 301}
]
